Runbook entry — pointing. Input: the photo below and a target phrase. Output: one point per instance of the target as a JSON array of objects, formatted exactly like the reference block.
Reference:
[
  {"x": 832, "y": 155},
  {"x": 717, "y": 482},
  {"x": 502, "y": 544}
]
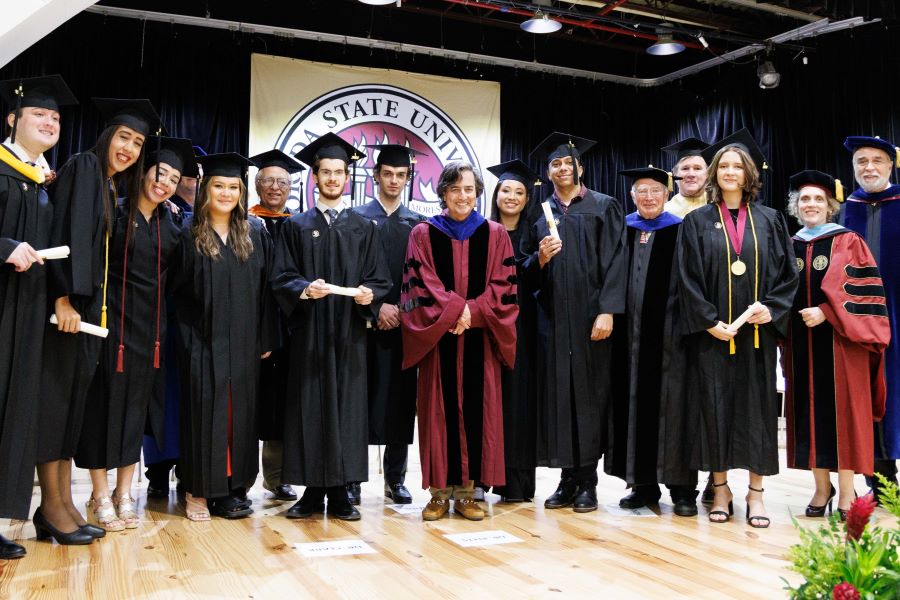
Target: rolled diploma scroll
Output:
[
  {"x": 551, "y": 223},
  {"x": 343, "y": 291},
  {"x": 736, "y": 324},
  {"x": 85, "y": 327},
  {"x": 51, "y": 253}
]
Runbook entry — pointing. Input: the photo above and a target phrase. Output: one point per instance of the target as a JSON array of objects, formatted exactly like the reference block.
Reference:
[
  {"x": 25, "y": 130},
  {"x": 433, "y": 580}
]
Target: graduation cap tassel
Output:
[
  {"x": 670, "y": 187},
  {"x": 158, "y": 148},
  {"x": 897, "y": 156},
  {"x": 412, "y": 177},
  {"x": 15, "y": 126},
  {"x": 574, "y": 163},
  {"x": 838, "y": 190},
  {"x": 354, "y": 158}
]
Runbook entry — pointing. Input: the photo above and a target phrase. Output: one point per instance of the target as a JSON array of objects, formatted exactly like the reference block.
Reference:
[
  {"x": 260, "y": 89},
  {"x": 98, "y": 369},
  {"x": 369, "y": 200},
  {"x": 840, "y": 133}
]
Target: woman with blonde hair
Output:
[
  {"x": 223, "y": 307},
  {"x": 734, "y": 257}
]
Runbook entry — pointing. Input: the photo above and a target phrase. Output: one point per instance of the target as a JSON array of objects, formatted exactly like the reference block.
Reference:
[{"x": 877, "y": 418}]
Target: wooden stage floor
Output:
[{"x": 561, "y": 554}]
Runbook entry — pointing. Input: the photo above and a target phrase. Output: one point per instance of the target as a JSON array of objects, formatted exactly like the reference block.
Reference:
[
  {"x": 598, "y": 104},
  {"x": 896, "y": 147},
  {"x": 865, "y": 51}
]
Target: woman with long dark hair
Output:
[
  {"x": 513, "y": 207},
  {"x": 130, "y": 382},
  {"x": 226, "y": 318},
  {"x": 734, "y": 253},
  {"x": 84, "y": 205}
]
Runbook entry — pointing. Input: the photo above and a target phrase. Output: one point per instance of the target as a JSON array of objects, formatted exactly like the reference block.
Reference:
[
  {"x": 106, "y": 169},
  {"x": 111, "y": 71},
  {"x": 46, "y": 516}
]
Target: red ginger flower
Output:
[
  {"x": 844, "y": 591},
  {"x": 858, "y": 516}
]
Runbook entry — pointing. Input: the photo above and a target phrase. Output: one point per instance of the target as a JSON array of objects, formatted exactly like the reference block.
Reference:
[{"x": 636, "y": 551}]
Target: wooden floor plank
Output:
[{"x": 561, "y": 553}]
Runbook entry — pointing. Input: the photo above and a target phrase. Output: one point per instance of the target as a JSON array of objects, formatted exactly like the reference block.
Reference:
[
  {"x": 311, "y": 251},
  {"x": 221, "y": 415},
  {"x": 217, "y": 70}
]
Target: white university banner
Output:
[{"x": 293, "y": 102}]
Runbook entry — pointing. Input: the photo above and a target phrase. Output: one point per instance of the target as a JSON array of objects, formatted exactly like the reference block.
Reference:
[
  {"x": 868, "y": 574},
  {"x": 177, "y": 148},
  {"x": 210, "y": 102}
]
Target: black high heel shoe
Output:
[
  {"x": 842, "y": 512},
  {"x": 761, "y": 522},
  {"x": 819, "y": 511},
  {"x": 717, "y": 513},
  {"x": 45, "y": 531}
]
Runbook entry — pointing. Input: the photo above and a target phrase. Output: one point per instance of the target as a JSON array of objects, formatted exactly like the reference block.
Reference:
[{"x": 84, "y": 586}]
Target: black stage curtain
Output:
[{"x": 199, "y": 79}]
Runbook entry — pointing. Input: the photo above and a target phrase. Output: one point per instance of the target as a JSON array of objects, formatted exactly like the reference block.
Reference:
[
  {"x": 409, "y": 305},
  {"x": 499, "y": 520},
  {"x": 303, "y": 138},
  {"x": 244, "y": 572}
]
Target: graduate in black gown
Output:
[
  {"x": 84, "y": 211},
  {"x": 734, "y": 253},
  {"x": 648, "y": 356},
  {"x": 25, "y": 215},
  {"x": 392, "y": 390},
  {"x": 128, "y": 391},
  {"x": 273, "y": 186},
  {"x": 326, "y": 425},
  {"x": 513, "y": 205},
  {"x": 225, "y": 313},
  {"x": 579, "y": 284}
]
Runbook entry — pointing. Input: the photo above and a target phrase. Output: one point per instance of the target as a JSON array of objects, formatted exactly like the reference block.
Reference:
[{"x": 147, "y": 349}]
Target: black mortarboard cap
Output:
[
  {"x": 394, "y": 155},
  {"x": 687, "y": 147},
  {"x": 556, "y": 145},
  {"x": 226, "y": 164},
  {"x": 277, "y": 158},
  {"x": 855, "y": 142},
  {"x": 48, "y": 92},
  {"x": 739, "y": 139},
  {"x": 651, "y": 172},
  {"x": 137, "y": 114},
  {"x": 515, "y": 170},
  {"x": 175, "y": 152},
  {"x": 818, "y": 179},
  {"x": 329, "y": 146}
]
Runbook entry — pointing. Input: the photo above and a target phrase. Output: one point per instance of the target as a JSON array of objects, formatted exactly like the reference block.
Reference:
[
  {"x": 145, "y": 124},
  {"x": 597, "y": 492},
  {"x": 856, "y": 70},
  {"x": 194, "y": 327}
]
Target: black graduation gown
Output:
[
  {"x": 121, "y": 405},
  {"x": 519, "y": 386},
  {"x": 392, "y": 390},
  {"x": 586, "y": 279},
  {"x": 273, "y": 371},
  {"x": 78, "y": 222},
  {"x": 25, "y": 216},
  {"x": 226, "y": 321},
  {"x": 326, "y": 425},
  {"x": 732, "y": 402},
  {"x": 649, "y": 366}
]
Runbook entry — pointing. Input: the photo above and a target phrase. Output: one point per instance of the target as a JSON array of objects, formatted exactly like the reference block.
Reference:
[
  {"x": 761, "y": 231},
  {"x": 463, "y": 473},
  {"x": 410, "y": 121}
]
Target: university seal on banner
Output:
[{"x": 379, "y": 114}]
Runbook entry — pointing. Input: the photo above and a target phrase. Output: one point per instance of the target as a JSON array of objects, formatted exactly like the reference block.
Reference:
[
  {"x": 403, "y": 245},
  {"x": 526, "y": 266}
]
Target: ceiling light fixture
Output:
[
  {"x": 378, "y": 2},
  {"x": 665, "y": 42},
  {"x": 769, "y": 78},
  {"x": 541, "y": 23}
]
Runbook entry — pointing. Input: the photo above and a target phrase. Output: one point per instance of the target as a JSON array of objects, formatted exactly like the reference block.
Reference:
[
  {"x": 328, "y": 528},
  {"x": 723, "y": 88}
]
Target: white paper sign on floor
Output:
[
  {"x": 334, "y": 548},
  {"x": 482, "y": 538},
  {"x": 408, "y": 509},
  {"x": 617, "y": 511}
]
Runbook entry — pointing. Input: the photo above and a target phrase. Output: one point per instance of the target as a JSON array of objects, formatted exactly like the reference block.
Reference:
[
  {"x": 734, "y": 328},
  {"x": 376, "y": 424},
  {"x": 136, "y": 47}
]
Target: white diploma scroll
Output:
[
  {"x": 343, "y": 291},
  {"x": 52, "y": 253},
  {"x": 551, "y": 223},
  {"x": 85, "y": 327},
  {"x": 736, "y": 324}
]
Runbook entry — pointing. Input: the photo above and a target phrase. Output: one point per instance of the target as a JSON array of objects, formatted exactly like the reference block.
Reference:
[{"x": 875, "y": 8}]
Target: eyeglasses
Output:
[
  {"x": 325, "y": 173},
  {"x": 280, "y": 182},
  {"x": 644, "y": 192}
]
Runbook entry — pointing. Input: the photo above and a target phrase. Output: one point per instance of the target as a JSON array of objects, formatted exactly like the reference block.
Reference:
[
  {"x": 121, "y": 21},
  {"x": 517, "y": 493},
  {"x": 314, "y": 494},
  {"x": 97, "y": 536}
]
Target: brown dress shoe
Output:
[
  {"x": 435, "y": 509},
  {"x": 468, "y": 508}
]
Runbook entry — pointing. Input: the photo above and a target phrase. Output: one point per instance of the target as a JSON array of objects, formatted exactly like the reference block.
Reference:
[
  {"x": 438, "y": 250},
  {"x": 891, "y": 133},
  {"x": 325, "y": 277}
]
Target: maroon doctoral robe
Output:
[
  {"x": 835, "y": 370},
  {"x": 460, "y": 404}
]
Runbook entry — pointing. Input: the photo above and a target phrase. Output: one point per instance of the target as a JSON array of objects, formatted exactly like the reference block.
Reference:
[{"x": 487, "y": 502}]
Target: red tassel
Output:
[
  {"x": 120, "y": 368},
  {"x": 156, "y": 356}
]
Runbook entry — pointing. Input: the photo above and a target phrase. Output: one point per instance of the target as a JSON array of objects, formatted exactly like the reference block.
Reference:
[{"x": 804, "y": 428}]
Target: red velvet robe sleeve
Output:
[
  {"x": 856, "y": 309},
  {"x": 427, "y": 310},
  {"x": 856, "y": 306},
  {"x": 496, "y": 309}
]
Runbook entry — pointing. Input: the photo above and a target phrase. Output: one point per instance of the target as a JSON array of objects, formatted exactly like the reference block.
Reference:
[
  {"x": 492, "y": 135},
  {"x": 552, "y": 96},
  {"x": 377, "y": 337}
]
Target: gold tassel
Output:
[
  {"x": 765, "y": 166},
  {"x": 897, "y": 156},
  {"x": 731, "y": 348},
  {"x": 105, "y": 280},
  {"x": 756, "y": 336},
  {"x": 103, "y": 317},
  {"x": 671, "y": 187},
  {"x": 838, "y": 190}
]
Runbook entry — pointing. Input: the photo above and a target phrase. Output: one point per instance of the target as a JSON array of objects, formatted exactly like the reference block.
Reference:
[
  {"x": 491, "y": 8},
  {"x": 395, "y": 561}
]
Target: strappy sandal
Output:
[
  {"x": 722, "y": 513},
  {"x": 127, "y": 511},
  {"x": 761, "y": 522},
  {"x": 196, "y": 509},
  {"x": 102, "y": 512}
]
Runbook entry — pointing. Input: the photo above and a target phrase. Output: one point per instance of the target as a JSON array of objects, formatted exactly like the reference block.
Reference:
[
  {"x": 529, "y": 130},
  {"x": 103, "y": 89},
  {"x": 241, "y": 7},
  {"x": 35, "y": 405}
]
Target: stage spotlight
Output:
[
  {"x": 378, "y": 2},
  {"x": 769, "y": 78},
  {"x": 665, "y": 43},
  {"x": 541, "y": 23},
  {"x": 703, "y": 41}
]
